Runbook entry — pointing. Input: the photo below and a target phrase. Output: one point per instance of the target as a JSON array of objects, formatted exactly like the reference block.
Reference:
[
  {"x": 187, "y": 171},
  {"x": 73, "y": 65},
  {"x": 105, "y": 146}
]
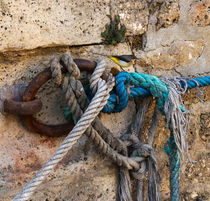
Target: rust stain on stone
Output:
[
  {"x": 49, "y": 141},
  {"x": 25, "y": 165}
]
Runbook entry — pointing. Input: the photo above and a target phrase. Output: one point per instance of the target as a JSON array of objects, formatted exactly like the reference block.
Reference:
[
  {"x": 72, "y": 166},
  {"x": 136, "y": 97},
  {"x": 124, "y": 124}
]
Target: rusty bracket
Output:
[{"x": 29, "y": 94}]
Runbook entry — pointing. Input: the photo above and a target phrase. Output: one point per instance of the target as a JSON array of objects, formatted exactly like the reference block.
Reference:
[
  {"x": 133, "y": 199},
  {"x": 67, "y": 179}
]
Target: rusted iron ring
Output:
[
  {"x": 11, "y": 99},
  {"x": 22, "y": 108},
  {"x": 29, "y": 94}
]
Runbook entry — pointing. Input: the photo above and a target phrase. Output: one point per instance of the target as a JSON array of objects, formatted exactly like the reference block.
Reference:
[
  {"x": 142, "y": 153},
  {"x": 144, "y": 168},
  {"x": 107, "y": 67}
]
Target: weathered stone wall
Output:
[{"x": 168, "y": 37}]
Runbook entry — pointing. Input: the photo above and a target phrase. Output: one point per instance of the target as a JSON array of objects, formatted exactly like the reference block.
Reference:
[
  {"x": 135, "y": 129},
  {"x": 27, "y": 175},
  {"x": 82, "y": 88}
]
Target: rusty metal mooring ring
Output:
[
  {"x": 22, "y": 108},
  {"x": 11, "y": 97},
  {"x": 30, "y": 92}
]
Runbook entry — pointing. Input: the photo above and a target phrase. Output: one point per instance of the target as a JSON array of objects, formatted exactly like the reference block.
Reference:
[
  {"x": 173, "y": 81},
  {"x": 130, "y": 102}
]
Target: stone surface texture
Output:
[
  {"x": 134, "y": 14},
  {"x": 200, "y": 13},
  {"x": 179, "y": 53},
  {"x": 167, "y": 37},
  {"x": 31, "y": 24},
  {"x": 167, "y": 14}
]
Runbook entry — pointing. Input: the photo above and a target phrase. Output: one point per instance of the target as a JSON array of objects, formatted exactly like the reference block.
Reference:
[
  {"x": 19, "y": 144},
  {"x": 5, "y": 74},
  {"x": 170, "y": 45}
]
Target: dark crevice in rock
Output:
[{"x": 85, "y": 45}]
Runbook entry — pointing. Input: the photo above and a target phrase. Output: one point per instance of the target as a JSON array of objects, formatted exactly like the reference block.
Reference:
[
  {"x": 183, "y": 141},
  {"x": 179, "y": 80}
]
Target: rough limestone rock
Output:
[
  {"x": 31, "y": 24},
  {"x": 179, "y": 53},
  {"x": 184, "y": 31},
  {"x": 134, "y": 15},
  {"x": 168, "y": 13},
  {"x": 200, "y": 13}
]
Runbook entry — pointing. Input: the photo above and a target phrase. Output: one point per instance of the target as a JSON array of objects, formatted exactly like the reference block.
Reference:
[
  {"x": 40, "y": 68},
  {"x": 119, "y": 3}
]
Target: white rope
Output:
[
  {"x": 100, "y": 68},
  {"x": 91, "y": 112}
]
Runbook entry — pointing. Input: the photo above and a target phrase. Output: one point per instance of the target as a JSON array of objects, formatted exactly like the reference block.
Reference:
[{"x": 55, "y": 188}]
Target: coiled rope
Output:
[
  {"x": 130, "y": 86},
  {"x": 97, "y": 103},
  {"x": 168, "y": 92}
]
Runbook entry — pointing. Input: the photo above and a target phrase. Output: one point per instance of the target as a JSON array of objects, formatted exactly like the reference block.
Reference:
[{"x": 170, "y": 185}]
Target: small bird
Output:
[{"x": 123, "y": 61}]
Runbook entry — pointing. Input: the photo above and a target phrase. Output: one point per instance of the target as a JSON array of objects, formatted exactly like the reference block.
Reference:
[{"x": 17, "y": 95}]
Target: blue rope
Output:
[
  {"x": 174, "y": 163},
  {"x": 131, "y": 86},
  {"x": 147, "y": 85},
  {"x": 143, "y": 86}
]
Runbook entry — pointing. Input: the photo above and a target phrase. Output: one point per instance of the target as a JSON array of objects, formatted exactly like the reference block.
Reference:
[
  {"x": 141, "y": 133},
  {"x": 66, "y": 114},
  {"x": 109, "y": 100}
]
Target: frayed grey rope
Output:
[
  {"x": 77, "y": 100},
  {"x": 129, "y": 137},
  {"x": 78, "y": 97},
  {"x": 175, "y": 117},
  {"x": 91, "y": 112},
  {"x": 148, "y": 162},
  {"x": 177, "y": 123}
]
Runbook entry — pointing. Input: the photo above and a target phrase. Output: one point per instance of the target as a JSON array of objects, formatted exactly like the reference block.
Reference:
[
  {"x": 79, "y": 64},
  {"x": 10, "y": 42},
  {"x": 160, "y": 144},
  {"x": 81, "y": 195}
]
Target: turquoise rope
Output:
[
  {"x": 174, "y": 163},
  {"x": 141, "y": 85},
  {"x": 138, "y": 85}
]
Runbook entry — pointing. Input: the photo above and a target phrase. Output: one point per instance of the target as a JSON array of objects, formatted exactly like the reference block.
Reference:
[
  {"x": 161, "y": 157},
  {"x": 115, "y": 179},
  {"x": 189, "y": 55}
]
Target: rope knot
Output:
[
  {"x": 137, "y": 84},
  {"x": 149, "y": 164},
  {"x": 66, "y": 61},
  {"x": 143, "y": 150},
  {"x": 70, "y": 65}
]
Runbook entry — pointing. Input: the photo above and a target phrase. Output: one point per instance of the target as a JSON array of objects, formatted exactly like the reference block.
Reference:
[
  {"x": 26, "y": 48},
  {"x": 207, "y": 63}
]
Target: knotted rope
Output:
[
  {"x": 124, "y": 178},
  {"x": 77, "y": 101},
  {"x": 77, "y": 104},
  {"x": 132, "y": 137},
  {"x": 97, "y": 103},
  {"x": 127, "y": 88},
  {"x": 168, "y": 92}
]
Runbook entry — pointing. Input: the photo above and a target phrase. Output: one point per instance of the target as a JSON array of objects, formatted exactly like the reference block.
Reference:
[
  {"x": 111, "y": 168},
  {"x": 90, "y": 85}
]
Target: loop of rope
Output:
[
  {"x": 138, "y": 85},
  {"x": 146, "y": 82},
  {"x": 100, "y": 68},
  {"x": 91, "y": 112},
  {"x": 76, "y": 103},
  {"x": 147, "y": 163},
  {"x": 55, "y": 69}
]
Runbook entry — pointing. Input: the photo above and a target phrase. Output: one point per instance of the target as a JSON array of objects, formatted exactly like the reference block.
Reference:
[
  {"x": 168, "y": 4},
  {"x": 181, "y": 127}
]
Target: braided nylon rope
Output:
[
  {"x": 91, "y": 112},
  {"x": 140, "y": 85},
  {"x": 145, "y": 85},
  {"x": 174, "y": 161}
]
